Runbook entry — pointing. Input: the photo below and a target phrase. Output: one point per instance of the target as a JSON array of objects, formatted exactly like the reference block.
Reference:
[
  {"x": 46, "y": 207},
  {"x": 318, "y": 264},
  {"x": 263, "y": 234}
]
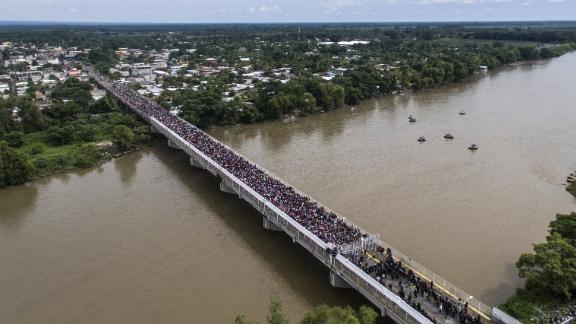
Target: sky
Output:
[{"x": 219, "y": 11}]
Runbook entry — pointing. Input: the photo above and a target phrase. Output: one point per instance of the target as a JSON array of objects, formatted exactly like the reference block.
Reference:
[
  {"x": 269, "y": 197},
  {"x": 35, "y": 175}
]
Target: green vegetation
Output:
[
  {"x": 325, "y": 77},
  {"x": 322, "y": 314},
  {"x": 321, "y": 75},
  {"x": 571, "y": 188},
  {"x": 123, "y": 137},
  {"x": 63, "y": 137},
  {"x": 14, "y": 169},
  {"x": 223, "y": 75},
  {"x": 550, "y": 273}
]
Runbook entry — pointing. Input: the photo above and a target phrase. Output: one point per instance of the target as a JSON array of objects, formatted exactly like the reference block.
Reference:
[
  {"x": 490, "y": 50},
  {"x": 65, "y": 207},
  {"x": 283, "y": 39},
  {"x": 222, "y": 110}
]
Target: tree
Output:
[
  {"x": 60, "y": 135},
  {"x": 565, "y": 225},
  {"x": 32, "y": 118},
  {"x": 123, "y": 137},
  {"x": 14, "y": 139},
  {"x": 14, "y": 169},
  {"x": 321, "y": 314},
  {"x": 529, "y": 53},
  {"x": 324, "y": 314},
  {"x": 275, "y": 313},
  {"x": 75, "y": 90},
  {"x": 367, "y": 315},
  {"x": 551, "y": 268},
  {"x": 63, "y": 111},
  {"x": 241, "y": 319},
  {"x": 6, "y": 54},
  {"x": 103, "y": 105}
]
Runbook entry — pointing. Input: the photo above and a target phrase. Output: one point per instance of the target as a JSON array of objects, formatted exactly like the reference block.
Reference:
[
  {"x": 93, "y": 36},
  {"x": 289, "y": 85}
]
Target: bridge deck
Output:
[{"x": 382, "y": 293}]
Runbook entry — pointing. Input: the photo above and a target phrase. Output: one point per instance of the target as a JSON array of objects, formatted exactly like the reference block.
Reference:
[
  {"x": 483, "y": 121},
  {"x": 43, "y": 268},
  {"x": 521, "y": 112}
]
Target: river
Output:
[{"x": 146, "y": 238}]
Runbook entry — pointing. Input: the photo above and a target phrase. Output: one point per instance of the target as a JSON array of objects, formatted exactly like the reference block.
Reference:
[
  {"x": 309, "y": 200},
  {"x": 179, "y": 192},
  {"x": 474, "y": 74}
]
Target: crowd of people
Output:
[
  {"x": 564, "y": 314},
  {"x": 321, "y": 222},
  {"x": 414, "y": 290}
]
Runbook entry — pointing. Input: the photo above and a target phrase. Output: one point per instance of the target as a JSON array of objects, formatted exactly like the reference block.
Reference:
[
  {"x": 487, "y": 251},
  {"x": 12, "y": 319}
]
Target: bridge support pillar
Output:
[
  {"x": 154, "y": 130},
  {"x": 269, "y": 225},
  {"x": 224, "y": 187},
  {"x": 337, "y": 281},
  {"x": 172, "y": 145},
  {"x": 195, "y": 164}
]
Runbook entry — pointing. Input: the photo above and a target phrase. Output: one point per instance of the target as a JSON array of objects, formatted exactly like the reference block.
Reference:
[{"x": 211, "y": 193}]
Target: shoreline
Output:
[{"x": 108, "y": 156}]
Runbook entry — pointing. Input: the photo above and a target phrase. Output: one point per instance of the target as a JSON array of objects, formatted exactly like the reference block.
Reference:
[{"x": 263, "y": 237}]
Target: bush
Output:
[
  {"x": 86, "y": 133},
  {"x": 14, "y": 139},
  {"x": 60, "y": 135},
  {"x": 41, "y": 163},
  {"x": 123, "y": 137},
  {"x": 37, "y": 149},
  {"x": 14, "y": 168}
]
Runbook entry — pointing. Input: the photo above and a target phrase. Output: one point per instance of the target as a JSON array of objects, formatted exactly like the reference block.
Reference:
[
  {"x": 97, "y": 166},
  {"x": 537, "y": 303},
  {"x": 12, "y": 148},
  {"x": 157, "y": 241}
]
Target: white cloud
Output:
[
  {"x": 334, "y": 6},
  {"x": 427, "y": 2},
  {"x": 265, "y": 9}
]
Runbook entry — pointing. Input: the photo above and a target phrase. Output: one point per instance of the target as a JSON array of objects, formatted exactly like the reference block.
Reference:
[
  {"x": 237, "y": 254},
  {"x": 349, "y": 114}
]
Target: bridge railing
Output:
[
  {"x": 377, "y": 293},
  {"x": 299, "y": 233},
  {"x": 444, "y": 284},
  {"x": 267, "y": 172}
]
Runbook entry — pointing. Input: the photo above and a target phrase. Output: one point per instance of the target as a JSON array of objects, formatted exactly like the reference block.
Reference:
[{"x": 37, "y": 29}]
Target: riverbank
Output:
[
  {"x": 464, "y": 215},
  {"x": 85, "y": 142},
  {"x": 310, "y": 93},
  {"x": 550, "y": 275}
]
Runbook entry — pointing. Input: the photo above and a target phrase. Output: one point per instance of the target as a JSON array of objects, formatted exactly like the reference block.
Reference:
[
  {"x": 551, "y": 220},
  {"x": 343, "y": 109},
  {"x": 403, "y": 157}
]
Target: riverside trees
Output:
[
  {"x": 62, "y": 137},
  {"x": 14, "y": 168},
  {"x": 322, "y": 314},
  {"x": 550, "y": 272}
]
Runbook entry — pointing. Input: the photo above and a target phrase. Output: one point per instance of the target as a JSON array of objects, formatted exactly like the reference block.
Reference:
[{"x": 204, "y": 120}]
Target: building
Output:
[
  {"x": 4, "y": 87},
  {"x": 74, "y": 73},
  {"x": 27, "y": 75},
  {"x": 138, "y": 69}
]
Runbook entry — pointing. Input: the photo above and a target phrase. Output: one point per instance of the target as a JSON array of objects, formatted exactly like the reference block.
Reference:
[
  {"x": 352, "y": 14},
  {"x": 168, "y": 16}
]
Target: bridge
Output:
[{"x": 398, "y": 286}]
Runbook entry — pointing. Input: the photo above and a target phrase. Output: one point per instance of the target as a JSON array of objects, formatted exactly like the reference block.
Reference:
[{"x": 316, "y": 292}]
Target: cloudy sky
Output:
[{"x": 201, "y": 11}]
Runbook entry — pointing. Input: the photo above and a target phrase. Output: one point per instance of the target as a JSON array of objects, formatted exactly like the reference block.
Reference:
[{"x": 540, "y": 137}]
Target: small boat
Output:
[
  {"x": 461, "y": 113},
  {"x": 411, "y": 119},
  {"x": 449, "y": 136},
  {"x": 473, "y": 147},
  {"x": 421, "y": 139}
]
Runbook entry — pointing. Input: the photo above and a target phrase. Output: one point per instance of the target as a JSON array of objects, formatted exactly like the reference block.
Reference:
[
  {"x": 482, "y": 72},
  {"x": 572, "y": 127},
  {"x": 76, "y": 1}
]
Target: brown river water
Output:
[{"x": 148, "y": 239}]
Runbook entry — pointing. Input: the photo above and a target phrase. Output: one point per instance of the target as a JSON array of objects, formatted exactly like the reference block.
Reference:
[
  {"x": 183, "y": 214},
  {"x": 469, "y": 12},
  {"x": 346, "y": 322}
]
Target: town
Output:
[
  {"x": 78, "y": 99},
  {"x": 251, "y": 73}
]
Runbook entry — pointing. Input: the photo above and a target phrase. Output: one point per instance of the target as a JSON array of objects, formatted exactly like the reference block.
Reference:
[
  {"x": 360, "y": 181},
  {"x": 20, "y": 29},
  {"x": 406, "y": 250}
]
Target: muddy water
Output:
[
  {"x": 466, "y": 215},
  {"x": 148, "y": 239}
]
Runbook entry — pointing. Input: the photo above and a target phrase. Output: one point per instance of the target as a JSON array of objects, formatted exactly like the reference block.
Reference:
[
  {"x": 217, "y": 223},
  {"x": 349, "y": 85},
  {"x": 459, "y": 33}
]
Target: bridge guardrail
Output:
[
  {"x": 299, "y": 233},
  {"x": 377, "y": 293},
  {"x": 310, "y": 241},
  {"x": 448, "y": 287}
]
